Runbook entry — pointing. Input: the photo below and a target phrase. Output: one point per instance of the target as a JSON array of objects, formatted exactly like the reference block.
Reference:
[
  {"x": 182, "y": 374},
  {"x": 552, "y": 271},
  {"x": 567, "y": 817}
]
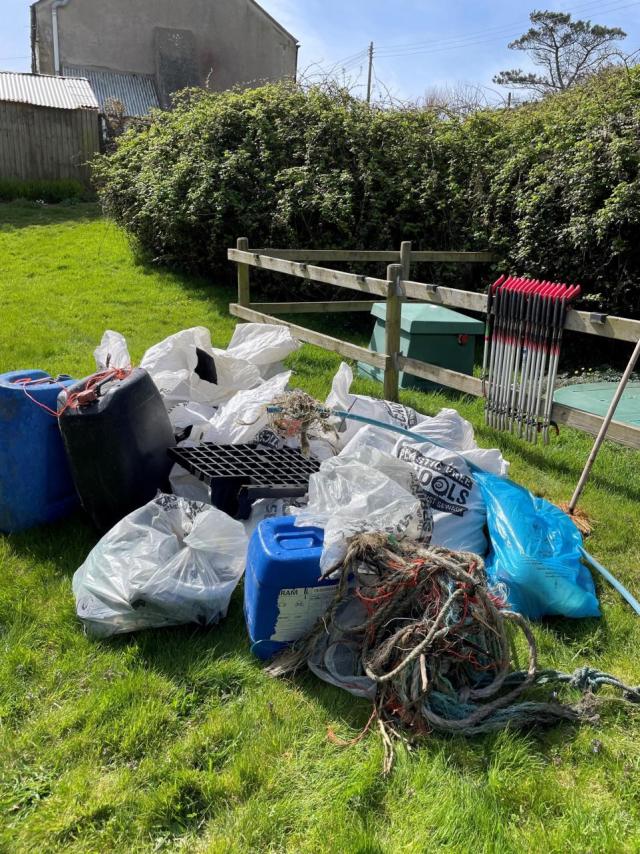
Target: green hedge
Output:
[
  {"x": 51, "y": 192},
  {"x": 552, "y": 187}
]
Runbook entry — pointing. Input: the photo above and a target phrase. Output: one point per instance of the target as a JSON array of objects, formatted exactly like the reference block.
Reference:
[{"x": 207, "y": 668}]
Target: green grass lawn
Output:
[{"x": 175, "y": 739}]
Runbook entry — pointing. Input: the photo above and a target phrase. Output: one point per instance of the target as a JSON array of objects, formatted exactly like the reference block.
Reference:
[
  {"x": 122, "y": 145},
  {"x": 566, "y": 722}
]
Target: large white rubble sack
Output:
[
  {"x": 170, "y": 562},
  {"x": 348, "y": 496},
  {"x": 340, "y": 397},
  {"x": 447, "y": 428},
  {"x": 112, "y": 352},
  {"x": 459, "y": 510},
  {"x": 244, "y": 417},
  {"x": 489, "y": 459},
  {"x": 174, "y": 363},
  {"x": 265, "y": 345}
]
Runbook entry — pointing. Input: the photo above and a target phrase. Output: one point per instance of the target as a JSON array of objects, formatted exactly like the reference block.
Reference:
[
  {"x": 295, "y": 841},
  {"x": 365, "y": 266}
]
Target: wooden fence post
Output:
[
  {"x": 405, "y": 259},
  {"x": 244, "y": 285},
  {"x": 392, "y": 330}
]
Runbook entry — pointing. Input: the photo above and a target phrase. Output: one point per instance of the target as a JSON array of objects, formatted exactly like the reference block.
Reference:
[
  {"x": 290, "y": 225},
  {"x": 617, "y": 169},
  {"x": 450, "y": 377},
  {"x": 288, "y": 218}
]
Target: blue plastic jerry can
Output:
[
  {"x": 283, "y": 593},
  {"x": 35, "y": 481}
]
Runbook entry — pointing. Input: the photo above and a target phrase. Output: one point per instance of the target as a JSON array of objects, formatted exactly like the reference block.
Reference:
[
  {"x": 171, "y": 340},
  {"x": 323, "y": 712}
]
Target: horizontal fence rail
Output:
[
  {"x": 396, "y": 289},
  {"x": 381, "y": 257},
  {"x": 351, "y": 281}
]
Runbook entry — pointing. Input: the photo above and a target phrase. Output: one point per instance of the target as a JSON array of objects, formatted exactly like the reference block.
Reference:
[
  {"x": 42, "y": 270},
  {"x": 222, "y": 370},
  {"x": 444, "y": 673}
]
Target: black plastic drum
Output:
[{"x": 117, "y": 446}]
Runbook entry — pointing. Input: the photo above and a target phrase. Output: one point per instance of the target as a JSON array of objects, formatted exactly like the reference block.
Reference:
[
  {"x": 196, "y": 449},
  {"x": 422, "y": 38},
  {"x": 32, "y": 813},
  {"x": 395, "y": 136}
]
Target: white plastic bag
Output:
[
  {"x": 264, "y": 345},
  {"x": 349, "y": 496},
  {"x": 170, "y": 562},
  {"x": 191, "y": 414},
  {"x": 244, "y": 416},
  {"x": 112, "y": 352},
  {"x": 190, "y": 487},
  {"x": 183, "y": 365}
]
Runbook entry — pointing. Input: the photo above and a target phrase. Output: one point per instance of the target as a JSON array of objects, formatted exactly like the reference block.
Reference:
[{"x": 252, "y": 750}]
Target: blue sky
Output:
[{"x": 422, "y": 44}]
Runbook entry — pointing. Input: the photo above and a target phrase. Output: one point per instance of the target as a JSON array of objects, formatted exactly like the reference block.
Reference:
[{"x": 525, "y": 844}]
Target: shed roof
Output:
[
  {"x": 62, "y": 93},
  {"x": 136, "y": 91}
]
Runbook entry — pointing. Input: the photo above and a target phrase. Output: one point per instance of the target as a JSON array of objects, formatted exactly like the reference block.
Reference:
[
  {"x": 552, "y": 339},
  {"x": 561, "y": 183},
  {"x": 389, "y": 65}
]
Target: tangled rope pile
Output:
[
  {"x": 436, "y": 645},
  {"x": 301, "y": 416}
]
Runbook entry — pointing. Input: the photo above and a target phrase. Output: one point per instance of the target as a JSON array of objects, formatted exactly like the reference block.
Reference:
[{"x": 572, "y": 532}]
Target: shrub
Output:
[
  {"x": 51, "y": 192},
  {"x": 551, "y": 187}
]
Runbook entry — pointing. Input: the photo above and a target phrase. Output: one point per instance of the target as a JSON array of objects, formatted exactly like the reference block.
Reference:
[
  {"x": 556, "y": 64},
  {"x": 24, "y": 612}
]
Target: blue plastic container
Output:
[
  {"x": 283, "y": 594},
  {"x": 35, "y": 481}
]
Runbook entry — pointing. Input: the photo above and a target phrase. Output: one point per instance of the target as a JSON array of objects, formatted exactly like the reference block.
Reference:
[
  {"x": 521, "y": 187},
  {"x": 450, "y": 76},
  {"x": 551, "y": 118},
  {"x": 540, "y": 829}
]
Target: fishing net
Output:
[
  {"x": 417, "y": 630},
  {"x": 302, "y": 417}
]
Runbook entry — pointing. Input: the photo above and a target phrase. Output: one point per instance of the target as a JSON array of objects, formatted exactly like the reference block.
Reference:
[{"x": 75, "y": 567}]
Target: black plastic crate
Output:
[{"x": 241, "y": 474}]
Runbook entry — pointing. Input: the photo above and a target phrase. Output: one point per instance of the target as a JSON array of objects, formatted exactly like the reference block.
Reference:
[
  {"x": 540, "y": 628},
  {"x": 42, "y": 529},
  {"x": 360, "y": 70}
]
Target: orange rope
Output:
[{"x": 72, "y": 402}]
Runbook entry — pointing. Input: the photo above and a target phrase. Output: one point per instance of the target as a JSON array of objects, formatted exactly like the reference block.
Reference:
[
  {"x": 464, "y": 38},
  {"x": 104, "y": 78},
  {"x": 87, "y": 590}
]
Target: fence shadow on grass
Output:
[{"x": 25, "y": 214}]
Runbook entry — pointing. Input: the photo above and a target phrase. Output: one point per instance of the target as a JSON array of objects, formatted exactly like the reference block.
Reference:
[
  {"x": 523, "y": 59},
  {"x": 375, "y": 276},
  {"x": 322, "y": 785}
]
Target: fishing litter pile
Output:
[
  {"x": 436, "y": 645},
  {"x": 295, "y": 414}
]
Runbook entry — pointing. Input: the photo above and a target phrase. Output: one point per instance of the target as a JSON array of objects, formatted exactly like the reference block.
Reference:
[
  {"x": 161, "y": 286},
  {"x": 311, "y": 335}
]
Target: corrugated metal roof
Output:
[
  {"x": 136, "y": 91},
  {"x": 61, "y": 93}
]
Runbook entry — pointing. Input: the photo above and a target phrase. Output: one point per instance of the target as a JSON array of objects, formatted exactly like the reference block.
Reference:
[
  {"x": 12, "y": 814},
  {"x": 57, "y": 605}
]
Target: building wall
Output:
[
  {"x": 43, "y": 143},
  {"x": 232, "y": 41}
]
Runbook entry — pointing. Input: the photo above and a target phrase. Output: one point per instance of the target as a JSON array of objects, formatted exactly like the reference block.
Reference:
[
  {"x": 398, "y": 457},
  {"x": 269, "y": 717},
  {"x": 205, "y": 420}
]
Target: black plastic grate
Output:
[{"x": 240, "y": 474}]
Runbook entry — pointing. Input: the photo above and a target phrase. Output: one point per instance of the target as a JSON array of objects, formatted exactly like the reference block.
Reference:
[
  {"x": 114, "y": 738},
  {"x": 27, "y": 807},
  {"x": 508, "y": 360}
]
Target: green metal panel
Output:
[
  {"x": 596, "y": 398},
  {"x": 426, "y": 319},
  {"x": 443, "y": 350}
]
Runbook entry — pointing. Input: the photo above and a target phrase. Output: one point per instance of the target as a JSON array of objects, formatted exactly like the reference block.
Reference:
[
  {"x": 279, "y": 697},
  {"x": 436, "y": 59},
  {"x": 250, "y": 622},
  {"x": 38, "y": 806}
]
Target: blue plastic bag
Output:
[{"x": 535, "y": 553}]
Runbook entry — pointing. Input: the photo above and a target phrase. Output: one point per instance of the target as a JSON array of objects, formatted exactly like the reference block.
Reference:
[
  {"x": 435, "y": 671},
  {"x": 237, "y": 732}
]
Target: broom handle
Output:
[{"x": 604, "y": 428}]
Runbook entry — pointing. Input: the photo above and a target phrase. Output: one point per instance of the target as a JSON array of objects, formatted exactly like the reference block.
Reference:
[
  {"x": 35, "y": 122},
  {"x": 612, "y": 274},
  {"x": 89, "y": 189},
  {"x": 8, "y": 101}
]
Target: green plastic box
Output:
[{"x": 429, "y": 333}]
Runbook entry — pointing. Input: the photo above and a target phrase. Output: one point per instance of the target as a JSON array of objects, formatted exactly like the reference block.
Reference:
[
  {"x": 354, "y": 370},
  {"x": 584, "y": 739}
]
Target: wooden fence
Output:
[
  {"x": 396, "y": 289},
  {"x": 41, "y": 143}
]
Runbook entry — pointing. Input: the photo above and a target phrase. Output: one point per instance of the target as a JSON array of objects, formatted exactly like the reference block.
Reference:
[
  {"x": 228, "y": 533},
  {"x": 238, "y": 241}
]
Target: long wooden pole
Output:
[{"x": 603, "y": 429}]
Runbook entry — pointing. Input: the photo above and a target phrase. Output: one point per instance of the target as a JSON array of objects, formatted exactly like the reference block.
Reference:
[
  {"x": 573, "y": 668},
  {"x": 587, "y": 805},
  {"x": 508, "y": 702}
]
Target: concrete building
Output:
[{"x": 141, "y": 51}]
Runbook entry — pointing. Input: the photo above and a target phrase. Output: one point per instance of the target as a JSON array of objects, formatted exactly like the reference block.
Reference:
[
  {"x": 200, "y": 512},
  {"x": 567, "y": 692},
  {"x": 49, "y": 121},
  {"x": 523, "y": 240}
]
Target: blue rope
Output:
[{"x": 622, "y": 590}]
